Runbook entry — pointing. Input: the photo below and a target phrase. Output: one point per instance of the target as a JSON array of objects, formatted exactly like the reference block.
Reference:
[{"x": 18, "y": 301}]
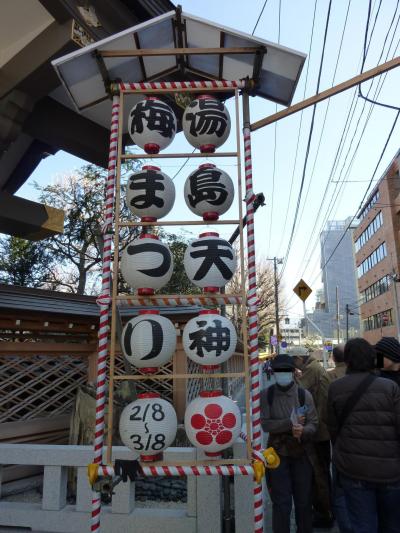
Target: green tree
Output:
[
  {"x": 25, "y": 263},
  {"x": 78, "y": 251},
  {"x": 179, "y": 282}
]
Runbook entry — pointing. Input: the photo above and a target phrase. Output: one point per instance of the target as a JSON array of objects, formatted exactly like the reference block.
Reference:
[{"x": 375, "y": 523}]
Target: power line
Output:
[
  {"x": 366, "y": 191},
  {"x": 322, "y": 129},
  {"x": 300, "y": 124},
  {"x": 182, "y": 166},
  {"x": 360, "y": 93},
  {"x": 259, "y": 16},
  {"x": 308, "y": 142},
  {"x": 335, "y": 194},
  {"x": 275, "y": 136}
]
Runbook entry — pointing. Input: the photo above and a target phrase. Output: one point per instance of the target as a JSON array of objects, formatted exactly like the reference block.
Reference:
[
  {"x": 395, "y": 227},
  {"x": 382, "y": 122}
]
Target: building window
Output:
[
  {"x": 379, "y": 320},
  {"x": 377, "y": 255},
  {"x": 376, "y": 289},
  {"x": 369, "y": 231},
  {"x": 370, "y": 204}
]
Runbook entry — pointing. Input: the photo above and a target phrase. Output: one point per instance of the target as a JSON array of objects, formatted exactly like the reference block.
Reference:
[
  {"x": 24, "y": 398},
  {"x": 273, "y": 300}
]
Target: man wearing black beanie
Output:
[{"x": 388, "y": 348}]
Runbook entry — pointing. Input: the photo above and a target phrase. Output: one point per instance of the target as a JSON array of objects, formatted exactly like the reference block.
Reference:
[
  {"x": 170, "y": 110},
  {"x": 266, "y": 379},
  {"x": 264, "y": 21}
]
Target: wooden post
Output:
[{"x": 352, "y": 82}]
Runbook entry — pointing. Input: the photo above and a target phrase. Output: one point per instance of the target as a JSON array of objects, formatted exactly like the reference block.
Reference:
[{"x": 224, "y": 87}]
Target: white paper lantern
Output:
[
  {"x": 212, "y": 422},
  {"x": 206, "y": 123},
  {"x": 148, "y": 426},
  {"x": 150, "y": 194},
  {"x": 209, "y": 339},
  {"x": 152, "y": 125},
  {"x": 209, "y": 192},
  {"x": 209, "y": 261},
  {"x": 148, "y": 341},
  {"x": 146, "y": 264}
]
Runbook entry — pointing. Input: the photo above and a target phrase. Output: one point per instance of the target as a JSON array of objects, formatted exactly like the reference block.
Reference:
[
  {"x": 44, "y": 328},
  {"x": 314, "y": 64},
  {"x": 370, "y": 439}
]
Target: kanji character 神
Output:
[{"x": 213, "y": 338}]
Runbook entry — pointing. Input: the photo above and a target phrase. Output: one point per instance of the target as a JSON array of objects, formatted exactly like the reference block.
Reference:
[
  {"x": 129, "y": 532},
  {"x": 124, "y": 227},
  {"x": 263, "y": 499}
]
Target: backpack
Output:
[{"x": 300, "y": 392}]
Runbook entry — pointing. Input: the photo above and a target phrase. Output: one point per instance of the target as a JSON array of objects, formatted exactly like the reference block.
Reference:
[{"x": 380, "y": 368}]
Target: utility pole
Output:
[
  {"x": 395, "y": 280},
  {"x": 347, "y": 321},
  {"x": 276, "y": 284},
  {"x": 337, "y": 315}
]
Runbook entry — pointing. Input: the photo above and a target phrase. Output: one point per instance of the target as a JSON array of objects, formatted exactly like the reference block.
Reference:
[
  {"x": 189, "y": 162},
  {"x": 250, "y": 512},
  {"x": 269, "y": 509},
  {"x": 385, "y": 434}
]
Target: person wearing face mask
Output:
[
  {"x": 315, "y": 379},
  {"x": 289, "y": 416}
]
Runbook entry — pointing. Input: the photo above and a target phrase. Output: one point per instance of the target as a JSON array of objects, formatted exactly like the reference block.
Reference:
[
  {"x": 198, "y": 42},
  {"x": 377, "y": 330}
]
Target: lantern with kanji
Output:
[
  {"x": 146, "y": 264},
  {"x": 209, "y": 339},
  {"x": 212, "y": 422},
  {"x": 152, "y": 125},
  {"x": 148, "y": 341},
  {"x": 210, "y": 261},
  {"x": 206, "y": 123},
  {"x": 150, "y": 194},
  {"x": 148, "y": 426},
  {"x": 209, "y": 192}
]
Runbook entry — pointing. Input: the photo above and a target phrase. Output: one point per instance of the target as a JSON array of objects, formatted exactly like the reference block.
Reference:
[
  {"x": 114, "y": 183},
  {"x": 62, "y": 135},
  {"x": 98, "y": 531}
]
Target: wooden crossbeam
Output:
[
  {"x": 146, "y": 52},
  {"x": 352, "y": 82},
  {"x": 21, "y": 348}
]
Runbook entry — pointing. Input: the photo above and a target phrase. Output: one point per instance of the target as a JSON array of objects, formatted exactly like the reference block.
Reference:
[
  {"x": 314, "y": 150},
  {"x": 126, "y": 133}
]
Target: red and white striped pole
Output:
[
  {"x": 213, "y": 84},
  {"x": 252, "y": 313},
  {"x": 104, "y": 308}
]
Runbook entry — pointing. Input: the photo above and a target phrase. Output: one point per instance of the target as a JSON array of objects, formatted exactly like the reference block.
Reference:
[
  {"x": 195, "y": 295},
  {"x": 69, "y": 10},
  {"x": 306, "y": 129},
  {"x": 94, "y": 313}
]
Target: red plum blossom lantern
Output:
[{"x": 212, "y": 422}]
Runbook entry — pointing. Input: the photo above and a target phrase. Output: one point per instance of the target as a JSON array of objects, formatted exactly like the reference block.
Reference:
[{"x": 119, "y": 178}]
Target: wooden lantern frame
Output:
[{"x": 219, "y": 298}]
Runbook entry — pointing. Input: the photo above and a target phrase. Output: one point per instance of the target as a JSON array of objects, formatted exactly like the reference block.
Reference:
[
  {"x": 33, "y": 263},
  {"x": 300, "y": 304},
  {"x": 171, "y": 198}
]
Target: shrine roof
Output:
[
  {"x": 62, "y": 303},
  {"x": 86, "y": 72}
]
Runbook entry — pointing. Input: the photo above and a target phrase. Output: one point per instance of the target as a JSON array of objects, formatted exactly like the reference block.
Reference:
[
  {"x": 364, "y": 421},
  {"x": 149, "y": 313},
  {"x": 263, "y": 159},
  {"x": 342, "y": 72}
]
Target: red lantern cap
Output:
[
  {"x": 149, "y": 236},
  {"x": 206, "y": 165},
  {"x": 148, "y": 219},
  {"x": 209, "y": 312},
  {"x": 145, "y": 291},
  {"x": 206, "y": 97},
  {"x": 149, "y": 312},
  {"x": 151, "y": 98},
  {"x": 210, "y": 393},
  {"x": 150, "y": 167},
  {"x": 148, "y": 395},
  {"x": 209, "y": 216},
  {"x": 209, "y": 234},
  {"x": 151, "y": 458}
]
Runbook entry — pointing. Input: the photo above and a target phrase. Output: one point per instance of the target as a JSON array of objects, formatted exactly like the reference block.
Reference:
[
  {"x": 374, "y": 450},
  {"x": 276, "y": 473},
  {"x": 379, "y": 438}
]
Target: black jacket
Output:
[{"x": 368, "y": 445}]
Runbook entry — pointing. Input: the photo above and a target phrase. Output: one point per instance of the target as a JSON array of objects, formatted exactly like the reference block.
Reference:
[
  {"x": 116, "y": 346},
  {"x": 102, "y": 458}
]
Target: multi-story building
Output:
[
  {"x": 339, "y": 284},
  {"x": 377, "y": 247}
]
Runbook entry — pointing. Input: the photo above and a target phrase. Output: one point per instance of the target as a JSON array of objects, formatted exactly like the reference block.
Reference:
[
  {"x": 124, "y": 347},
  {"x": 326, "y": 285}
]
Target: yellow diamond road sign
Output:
[{"x": 302, "y": 290}]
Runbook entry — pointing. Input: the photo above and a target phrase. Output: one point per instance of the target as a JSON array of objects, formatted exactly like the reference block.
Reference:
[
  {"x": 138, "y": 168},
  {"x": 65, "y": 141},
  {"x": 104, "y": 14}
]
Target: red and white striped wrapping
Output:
[
  {"x": 104, "y": 308},
  {"x": 212, "y": 84},
  {"x": 255, "y": 454},
  {"x": 253, "y": 328},
  {"x": 223, "y": 470},
  {"x": 172, "y": 301}
]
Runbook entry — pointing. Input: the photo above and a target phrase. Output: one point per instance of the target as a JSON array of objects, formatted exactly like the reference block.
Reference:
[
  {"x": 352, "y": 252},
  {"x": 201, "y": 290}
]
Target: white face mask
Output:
[{"x": 284, "y": 378}]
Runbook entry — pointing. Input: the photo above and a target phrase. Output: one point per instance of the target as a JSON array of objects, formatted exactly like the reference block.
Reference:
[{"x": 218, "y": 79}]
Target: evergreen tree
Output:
[{"x": 25, "y": 263}]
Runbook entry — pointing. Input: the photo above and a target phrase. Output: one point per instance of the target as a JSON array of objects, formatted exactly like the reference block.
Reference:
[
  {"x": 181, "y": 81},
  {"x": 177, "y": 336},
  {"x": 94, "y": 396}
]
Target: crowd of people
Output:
[{"x": 337, "y": 433}]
